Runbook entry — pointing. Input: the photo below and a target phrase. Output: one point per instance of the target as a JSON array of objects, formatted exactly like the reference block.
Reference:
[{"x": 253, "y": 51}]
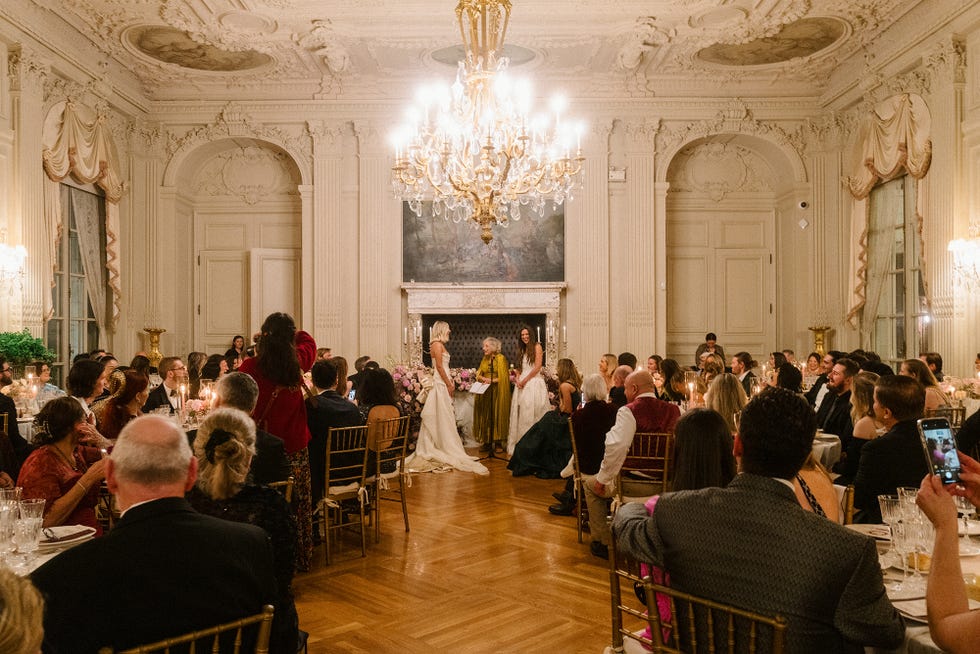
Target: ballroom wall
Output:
[{"x": 616, "y": 257}]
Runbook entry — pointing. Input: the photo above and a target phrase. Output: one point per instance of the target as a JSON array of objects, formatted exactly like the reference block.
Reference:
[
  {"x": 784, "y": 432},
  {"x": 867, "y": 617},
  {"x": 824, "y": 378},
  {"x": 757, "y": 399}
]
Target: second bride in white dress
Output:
[{"x": 439, "y": 446}]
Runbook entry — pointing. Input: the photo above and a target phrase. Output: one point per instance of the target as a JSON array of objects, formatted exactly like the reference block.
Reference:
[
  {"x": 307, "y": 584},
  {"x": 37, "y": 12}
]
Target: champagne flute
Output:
[{"x": 965, "y": 508}]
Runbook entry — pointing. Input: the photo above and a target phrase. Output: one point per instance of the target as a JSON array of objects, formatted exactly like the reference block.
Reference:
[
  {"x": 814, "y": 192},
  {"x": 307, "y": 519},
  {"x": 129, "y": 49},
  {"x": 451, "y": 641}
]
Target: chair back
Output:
[
  {"x": 577, "y": 491},
  {"x": 648, "y": 463},
  {"x": 954, "y": 414},
  {"x": 666, "y": 620},
  {"x": 391, "y": 440},
  {"x": 845, "y": 497},
  {"x": 284, "y": 487},
  {"x": 228, "y": 637},
  {"x": 346, "y": 458}
]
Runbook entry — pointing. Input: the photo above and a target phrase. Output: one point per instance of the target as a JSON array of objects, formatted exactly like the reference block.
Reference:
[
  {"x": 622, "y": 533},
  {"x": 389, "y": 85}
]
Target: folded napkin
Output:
[{"x": 73, "y": 535}]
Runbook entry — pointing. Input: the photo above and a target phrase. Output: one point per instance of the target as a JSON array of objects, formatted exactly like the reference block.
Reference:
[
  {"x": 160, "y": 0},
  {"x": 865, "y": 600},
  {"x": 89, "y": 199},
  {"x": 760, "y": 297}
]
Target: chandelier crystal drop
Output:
[{"x": 474, "y": 148}]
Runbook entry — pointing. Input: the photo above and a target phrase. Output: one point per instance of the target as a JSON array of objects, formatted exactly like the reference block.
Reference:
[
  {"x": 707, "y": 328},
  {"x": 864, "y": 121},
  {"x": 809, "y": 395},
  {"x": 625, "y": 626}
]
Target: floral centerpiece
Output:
[
  {"x": 961, "y": 388},
  {"x": 194, "y": 411}
]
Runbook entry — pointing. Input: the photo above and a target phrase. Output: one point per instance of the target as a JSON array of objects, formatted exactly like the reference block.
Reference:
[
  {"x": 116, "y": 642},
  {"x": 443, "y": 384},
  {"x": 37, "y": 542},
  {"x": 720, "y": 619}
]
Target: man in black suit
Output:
[
  {"x": 895, "y": 459},
  {"x": 355, "y": 380},
  {"x": 326, "y": 410},
  {"x": 173, "y": 372},
  {"x": 270, "y": 463},
  {"x": 818, "y": 391},
  {"x": 13, "y": 456},
  {"x": 834, "y": 415},
  {"x": 751, "y": 544},
  {"x": 742, "y": 365},
  {"x": 164, "y": 569}
]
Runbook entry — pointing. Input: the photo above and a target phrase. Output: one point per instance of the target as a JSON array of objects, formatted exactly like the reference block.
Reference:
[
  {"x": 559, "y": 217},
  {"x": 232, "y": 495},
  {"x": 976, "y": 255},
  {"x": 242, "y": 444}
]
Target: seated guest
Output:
[
  {"x": 703, "y": 448},
  {"x": 834, "y": 415},
  {"x": 11, "y": 460},
  {"x": 627, "y": 359},
  {"x": 742, "y": 365},
  {"x": 215, "y": 366},
  {"x": 710, "y": 345},
  {"x": 270, "y": 462},
  {"x": 713, "y": 366},
  {"x": 326, "y": 410},
  {"x": 344, "y": 385},
  {"x": 952, "y": 625},
  {"x": 237, "y": 349},
  {"x": 545, "y": 448},
  {"x": 727, "y": 397},
  {"x": 127, "y": 396},
  {"x": 195, "y": 362},
  {"x": 968, "y": 437},
  {"x": 653, "y": 364},
  {"x": 617, "y": 394},
  {"x": 812, "y": 370},
  {"x": 607, "y": 366},
  {"x": 224, "y": 447},
  {"x": 643, "y": 413},
  {"x": 173, "y": 373},
  {"x": 21, "y": 615},
  {"x": 933, "y": 361},
  {"x": 66, "y": 475},
  {"x": 45, "y": 389},
  {"x": 789, "y": 377},
  {"x": 757, "y": 549},
  {"x": 815, "y": 490},
  {"x": 163, "y": 560},
  {"x": 590, "y": 424},
  {"x": 672, "y": 389},
  {"x": 894, "y": 459},
  {"x": 865, "y": 425},
  {"x": 935, "y": 396},
  {"x": 376, "y": 402},
  {"x": 355, "y": 379},
  {"x": 776, "y": 359}
]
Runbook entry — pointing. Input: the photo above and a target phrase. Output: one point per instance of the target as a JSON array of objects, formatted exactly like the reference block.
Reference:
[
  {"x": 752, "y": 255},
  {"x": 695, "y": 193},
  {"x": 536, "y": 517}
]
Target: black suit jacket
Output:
[
  {"x": 10, "y": 462},
  {"x": 747, "y": 383},
  {"x": 326, "y": 410},
  {"x": 590, "y": 424},
  {"x": 162, "y": 571},
  {"x": 811, "y": 395},
  {"x": 893, "y": 460},
  {"x": 751, "y": 545},
  {"x": 158, "y": 397},
  {"x": 270, "y": 462},
  {"x": 834, "y": 417},
  {"x": 617, "y": 396}
]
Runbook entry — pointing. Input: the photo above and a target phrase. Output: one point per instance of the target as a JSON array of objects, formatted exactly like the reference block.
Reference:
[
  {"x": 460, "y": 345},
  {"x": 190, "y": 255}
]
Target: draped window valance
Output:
[
  {"x": 77, "y": 142},
  {"x": 894, "y": 140}
]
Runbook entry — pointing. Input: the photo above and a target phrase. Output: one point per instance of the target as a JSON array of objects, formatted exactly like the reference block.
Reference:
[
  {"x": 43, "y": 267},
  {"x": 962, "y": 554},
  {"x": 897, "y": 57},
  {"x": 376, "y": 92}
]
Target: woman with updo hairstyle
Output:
[
  {"x": 128, "y": 393},
  {"x": 63, "y": 473},
  {"x": 21, "y": 615},
  {"x": 224, "y": 447}
]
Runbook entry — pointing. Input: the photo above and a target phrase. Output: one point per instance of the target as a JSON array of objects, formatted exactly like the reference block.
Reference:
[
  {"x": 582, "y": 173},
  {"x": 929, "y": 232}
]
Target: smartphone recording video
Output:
[{"x": 940, "y": 448}]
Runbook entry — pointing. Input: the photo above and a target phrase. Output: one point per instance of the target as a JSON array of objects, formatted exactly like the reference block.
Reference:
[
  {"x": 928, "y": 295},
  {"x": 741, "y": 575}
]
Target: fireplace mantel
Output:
[{"x": 517, "y": 298}]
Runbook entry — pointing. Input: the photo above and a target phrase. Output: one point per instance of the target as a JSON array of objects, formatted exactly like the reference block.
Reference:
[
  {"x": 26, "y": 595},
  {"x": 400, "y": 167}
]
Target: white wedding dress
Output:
[
  {"x": 527, "y": 406},
  {"x": 439, "y": 446}
]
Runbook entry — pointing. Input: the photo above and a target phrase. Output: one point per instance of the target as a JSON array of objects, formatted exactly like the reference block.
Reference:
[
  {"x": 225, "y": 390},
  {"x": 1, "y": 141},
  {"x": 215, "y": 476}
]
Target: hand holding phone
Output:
[{"x": 939, "y": 447}]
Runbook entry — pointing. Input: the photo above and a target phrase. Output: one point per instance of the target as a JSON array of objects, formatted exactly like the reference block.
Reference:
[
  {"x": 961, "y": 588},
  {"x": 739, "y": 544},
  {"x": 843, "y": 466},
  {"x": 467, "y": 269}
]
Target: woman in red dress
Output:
[
  {"x": 129, "y": 393},
  {"x": 283, "y": 355},
  {"x": 64, "y": 473}
]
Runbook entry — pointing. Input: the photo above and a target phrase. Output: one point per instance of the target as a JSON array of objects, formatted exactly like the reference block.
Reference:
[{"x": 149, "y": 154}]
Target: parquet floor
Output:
[{"x": 485, "y": 568}]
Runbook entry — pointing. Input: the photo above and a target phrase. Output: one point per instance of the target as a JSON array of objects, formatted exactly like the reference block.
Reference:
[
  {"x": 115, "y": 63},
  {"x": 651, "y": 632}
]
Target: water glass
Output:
[
  {"x": 8, "y": 518},
  {"x": 965, "y": 508},
  {"x": 27, "y": 532},
  {"x": 11, "y": 494}
]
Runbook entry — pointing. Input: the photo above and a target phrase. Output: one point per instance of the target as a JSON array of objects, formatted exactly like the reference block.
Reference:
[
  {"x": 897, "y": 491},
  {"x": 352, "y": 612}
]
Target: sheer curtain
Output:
[
  {"x": 893, "y": 140},
  {"x": 77, "y": 142},
  {"x": 85, "y": 209}
]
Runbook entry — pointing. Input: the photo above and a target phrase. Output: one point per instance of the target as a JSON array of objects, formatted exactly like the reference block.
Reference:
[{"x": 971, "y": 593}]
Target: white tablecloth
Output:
[
  {"x": 826, "y": 450},
  {"x": 26, "y": 428}
]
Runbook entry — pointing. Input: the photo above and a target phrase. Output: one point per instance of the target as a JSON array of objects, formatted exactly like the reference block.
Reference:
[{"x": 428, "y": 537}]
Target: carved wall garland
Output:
[
  {"x": 248, "y": 173},
  {"x": 717, "y": 169},
  {"x": 233, "y": 122}
]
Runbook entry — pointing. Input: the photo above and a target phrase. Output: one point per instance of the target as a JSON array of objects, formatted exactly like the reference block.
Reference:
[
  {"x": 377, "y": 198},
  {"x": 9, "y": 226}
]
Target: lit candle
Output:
[
  {"x": 539, "y": 333},
  {"x": 405, "y": 336},
  {"x": 564, "y": 334},
  {"x": 690, "y": 390}
]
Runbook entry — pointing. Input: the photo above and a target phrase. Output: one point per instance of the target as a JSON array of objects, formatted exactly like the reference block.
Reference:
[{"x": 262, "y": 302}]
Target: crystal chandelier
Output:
[
  {"x": 966, "y": 258},
  {"x": 473, "y": 148}
]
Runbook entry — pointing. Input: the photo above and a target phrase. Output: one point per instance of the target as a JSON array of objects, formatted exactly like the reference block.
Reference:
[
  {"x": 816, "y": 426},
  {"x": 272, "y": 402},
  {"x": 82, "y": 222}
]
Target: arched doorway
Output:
[
  {"x": 242, "y": 198},
  {"x": 725, "y": 197}
]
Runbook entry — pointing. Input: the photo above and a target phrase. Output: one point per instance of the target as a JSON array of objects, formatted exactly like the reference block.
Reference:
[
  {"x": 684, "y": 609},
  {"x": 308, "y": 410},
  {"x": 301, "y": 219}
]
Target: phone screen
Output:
[
  {"x": 940, "y": 449},
  {"x": 350, "y": 396}
]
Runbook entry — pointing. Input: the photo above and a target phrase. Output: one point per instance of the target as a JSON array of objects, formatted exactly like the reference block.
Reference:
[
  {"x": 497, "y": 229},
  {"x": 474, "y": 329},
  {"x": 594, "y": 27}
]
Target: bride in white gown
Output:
[
  {"x": 439, "y": 446},
  {"x": 530, "y": 398}
]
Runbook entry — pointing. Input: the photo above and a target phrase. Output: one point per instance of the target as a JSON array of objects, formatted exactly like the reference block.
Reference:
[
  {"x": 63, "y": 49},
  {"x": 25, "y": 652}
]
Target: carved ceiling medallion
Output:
[
  {"x": 802, "y": 38},
  {"x": 172, "y": 46}
]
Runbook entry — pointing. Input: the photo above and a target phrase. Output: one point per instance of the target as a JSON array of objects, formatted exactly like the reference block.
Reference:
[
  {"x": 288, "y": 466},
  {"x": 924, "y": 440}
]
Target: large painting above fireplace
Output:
[{"x": 531, "y": 249}]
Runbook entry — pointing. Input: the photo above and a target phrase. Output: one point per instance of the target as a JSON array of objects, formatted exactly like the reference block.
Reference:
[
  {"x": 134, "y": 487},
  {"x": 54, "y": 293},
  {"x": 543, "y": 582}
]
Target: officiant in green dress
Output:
[{"x": 491, "y": 410}]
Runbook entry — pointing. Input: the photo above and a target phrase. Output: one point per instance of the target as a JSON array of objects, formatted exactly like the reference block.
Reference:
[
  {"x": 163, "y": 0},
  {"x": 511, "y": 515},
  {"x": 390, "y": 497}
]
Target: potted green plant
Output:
[{"x": 22, "y": 349}]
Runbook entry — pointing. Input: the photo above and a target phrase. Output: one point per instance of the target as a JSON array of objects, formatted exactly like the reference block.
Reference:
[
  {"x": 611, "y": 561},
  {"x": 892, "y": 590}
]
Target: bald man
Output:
[{"x": 644, "y": 413}]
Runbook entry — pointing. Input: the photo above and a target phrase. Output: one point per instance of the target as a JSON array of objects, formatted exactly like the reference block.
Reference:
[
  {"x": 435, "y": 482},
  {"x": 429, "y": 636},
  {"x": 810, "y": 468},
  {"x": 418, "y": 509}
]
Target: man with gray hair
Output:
[
  {"x": 270, "y": 463},
  {"x": 164, "y": 569}
]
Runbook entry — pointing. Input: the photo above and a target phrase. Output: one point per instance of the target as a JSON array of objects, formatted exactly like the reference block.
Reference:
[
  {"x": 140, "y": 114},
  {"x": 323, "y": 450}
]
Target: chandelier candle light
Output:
[
  {"x": 473, "y": 148},
  {"x": 966, "y": 258}
]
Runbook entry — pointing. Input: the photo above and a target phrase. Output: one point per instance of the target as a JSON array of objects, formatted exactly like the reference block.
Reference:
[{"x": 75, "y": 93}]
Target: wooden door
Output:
[
  {"x": 223, "y": 299},
  {"x": 276, "y": 275}
]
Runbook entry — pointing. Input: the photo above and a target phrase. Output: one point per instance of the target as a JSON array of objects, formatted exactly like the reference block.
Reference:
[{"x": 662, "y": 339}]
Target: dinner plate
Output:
[
  {"x": 881, "y": 532},
  {"x": 67, "y": 535}
]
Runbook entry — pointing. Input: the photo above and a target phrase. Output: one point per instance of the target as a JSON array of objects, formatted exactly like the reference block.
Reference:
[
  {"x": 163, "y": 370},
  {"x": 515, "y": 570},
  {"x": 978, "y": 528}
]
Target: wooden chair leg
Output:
[
  {"x": 401, "y": 492},
  {"x": 363, "y": 537},
  {"x": 325, "y": 520},
  {"x": 376, "y": 519}
]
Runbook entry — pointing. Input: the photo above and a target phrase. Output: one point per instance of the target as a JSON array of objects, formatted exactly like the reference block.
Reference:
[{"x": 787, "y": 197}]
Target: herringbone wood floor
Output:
[{"x": 485, "y": 568}]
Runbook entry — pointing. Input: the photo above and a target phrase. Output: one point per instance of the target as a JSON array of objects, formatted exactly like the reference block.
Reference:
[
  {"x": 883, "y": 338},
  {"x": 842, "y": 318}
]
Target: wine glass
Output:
[
  {"x": 891, "y": 515},
  {"x": 965, "y": 508}
]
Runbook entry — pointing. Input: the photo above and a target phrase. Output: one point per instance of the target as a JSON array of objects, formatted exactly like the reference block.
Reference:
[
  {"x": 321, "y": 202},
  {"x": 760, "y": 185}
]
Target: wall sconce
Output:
[
  {"x": 12, "y": 258},
  {"x": 966, "y": 258}
]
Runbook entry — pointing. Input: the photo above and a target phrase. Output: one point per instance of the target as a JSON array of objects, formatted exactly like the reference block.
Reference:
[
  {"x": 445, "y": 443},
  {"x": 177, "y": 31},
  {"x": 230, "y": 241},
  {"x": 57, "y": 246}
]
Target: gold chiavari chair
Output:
[
  {"x": 219, "y": 638},
  {"x": 345, "y": 475},
  {"x": 685, "y": 623},
  {"x": 647, "y": 467},
  {"x": 955, "y": 414},
  {"x": 578, "y": 489},
  {"x": 389, "y": 478},
  {"x": 284, "y": 487}
]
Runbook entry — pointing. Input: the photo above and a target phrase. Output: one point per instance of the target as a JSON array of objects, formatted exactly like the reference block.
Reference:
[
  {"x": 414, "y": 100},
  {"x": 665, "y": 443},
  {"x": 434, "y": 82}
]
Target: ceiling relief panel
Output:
[
  {"x": 802, "y": 38},
  {"x": 171, "y": 46},
  {"x": 249, "y": 173}
]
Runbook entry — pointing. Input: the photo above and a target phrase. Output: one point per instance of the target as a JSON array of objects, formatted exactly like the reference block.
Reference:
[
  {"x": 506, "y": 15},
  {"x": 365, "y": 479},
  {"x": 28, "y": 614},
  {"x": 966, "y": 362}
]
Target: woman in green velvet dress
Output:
[{"x": 491, "y": 410}]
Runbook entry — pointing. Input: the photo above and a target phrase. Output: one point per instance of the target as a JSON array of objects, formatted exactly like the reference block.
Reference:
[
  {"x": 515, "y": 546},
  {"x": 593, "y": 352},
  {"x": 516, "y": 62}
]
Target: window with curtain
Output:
[
  {"x": 896, "y": 298},
  {"x": 80, "y": 288}
]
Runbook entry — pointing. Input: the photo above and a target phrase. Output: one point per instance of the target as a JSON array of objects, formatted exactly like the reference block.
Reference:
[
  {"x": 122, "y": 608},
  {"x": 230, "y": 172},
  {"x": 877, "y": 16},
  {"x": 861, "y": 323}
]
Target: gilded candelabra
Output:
[
  {"x": 154, "y": 354},
  {"x": 819, "y": 339}
]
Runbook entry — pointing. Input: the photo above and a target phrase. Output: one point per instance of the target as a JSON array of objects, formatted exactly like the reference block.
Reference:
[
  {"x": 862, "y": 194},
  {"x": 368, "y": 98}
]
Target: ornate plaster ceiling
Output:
[{"x": 301, "y": 49}]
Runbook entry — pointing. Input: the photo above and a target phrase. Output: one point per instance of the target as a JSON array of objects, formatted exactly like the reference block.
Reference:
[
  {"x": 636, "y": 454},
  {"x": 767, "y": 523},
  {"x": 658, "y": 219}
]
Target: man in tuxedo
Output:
[
  {"x": 742, "y": 365},
  {"x": 270, "y": 463},
  {"x": 164, "y": 569},
  {"x": 326, "y": 410},
  {"x": 834, "y": 415},
  {"x": 644, "y": 413},
  {"x": 751, "y": 544},
  {"x": 173, "y": 372},
  {"x": 896, "y": 458},
  {"x": 818, "y": 391}
]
